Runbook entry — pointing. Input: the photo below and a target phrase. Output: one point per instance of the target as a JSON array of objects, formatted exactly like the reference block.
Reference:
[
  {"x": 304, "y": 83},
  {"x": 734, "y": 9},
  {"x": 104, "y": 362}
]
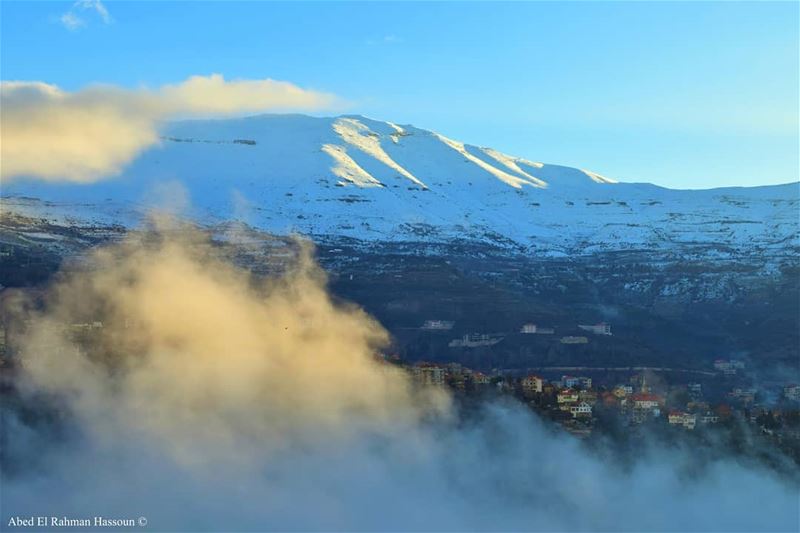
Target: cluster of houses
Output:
[
  {"x": 453, "y": 375},
  {"x": 576, "y": 398},
  {"x": 574, "y": 395},
  {"x": 690, "y": 420}
]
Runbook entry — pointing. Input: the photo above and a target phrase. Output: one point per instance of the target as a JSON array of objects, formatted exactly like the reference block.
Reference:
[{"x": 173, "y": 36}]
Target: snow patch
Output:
[
  {"x": 356, "y": 133},
  {"x": 597, "y": 178},
  {"x": 347, "y": 169},
  {"x": 511, "y": 163},
  {"x": 503, "y": 176}
]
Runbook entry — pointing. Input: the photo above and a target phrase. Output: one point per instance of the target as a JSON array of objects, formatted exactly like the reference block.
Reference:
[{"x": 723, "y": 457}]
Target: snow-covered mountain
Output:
[{"x": 369, "y": 180}]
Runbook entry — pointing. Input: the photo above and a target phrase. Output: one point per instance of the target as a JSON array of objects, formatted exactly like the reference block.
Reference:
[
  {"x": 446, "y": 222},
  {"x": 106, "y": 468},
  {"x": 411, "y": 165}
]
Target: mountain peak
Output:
[{"x": 357, "y": 177}]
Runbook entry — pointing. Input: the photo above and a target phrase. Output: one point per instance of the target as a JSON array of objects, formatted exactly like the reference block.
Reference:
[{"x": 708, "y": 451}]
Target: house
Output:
[
  {"x": 569, "y": 339},
  {"x": 533, "y": 329},
  {"x": 479, "y": 378},
  {"x": 565, "y": 397},
  {"x": 532, "y": 384},
  {"x": 728, "y": 366},
  {"x": 679, "y": 418},
  {"x": 576, "y": 381},
  {"x": 650, "y": 403},
  {"x": 438, "y": 325},
  {"x": 709, "y": 418},
  {"x": 792, "y": 392},
  {"x": 621, "y": 391},
  {"x": 582, "y": 409},
  {"x": 474, "y": 340},
  {"x": 428, "y": 374},
  {"x": 588, "y": 396},
  {"x": 598, "y": 329}
]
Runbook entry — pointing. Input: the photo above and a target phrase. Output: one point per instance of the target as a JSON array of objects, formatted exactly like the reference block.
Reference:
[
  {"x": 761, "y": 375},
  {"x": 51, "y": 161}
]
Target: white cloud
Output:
[
  {"x": 73, "y": 21},
  {"x": 93, "y": 133},
  {"x": 98, "y": 6}
]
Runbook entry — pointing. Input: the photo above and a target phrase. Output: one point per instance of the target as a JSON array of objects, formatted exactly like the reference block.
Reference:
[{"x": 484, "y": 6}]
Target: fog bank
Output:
[{"x": 210, "y": 400}]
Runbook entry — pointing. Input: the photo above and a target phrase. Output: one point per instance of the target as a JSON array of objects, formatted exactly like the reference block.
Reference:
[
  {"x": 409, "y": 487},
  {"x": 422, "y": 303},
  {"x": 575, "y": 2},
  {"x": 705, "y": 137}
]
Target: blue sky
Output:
[{"x": 687, "y": 95}]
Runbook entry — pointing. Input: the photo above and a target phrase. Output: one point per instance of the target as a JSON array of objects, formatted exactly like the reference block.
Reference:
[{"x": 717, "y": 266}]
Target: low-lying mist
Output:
[{"x": 213, "y": 400}]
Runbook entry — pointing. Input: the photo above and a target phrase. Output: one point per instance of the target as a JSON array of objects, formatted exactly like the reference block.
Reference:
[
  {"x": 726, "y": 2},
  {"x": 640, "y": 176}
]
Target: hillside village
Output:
[
  {"x": 641, "y": 403},
  {"x": 635, "y": 398}
]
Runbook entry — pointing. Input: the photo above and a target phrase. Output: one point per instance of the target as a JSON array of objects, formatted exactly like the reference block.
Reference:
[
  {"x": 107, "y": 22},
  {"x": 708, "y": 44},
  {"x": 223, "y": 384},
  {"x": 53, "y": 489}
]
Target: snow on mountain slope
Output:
[{"x": 355, "y": 177}]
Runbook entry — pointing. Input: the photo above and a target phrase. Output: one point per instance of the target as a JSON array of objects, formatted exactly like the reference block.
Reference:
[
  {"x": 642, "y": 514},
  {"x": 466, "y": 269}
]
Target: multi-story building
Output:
[
  {"x": 566, "y": 398},
  {"x": 792, "y": 392},
  {"x": 428, "y": 374},
  {"x": 621, "y": 391},
  {"x": 532, "y": 384},
  {"x": 678, "y": 418},
  {"x": 648, "y": 403},
  {"x": 581, "y": 409}
]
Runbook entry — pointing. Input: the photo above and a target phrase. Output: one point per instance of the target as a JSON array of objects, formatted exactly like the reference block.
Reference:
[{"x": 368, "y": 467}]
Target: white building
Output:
[
  {"x": 566, "y": 396},
  {"x": 687, "y": 420},
  {"x": 474, "y": 340},
  {"x": 533, "y": 384},
  {"x": 792, "y": 392},
  {"x": 428, "y": 374},
  {"x": 438, "y": 325},
  {"x": 598, "y": 329},
  {"x": 581, "y": 409},
  {"x": 648, "y": 402},
  {"x": 621, "y": 391},
  {"x": 728, "y": 366},
  {"x": 709, "y": 418}
]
